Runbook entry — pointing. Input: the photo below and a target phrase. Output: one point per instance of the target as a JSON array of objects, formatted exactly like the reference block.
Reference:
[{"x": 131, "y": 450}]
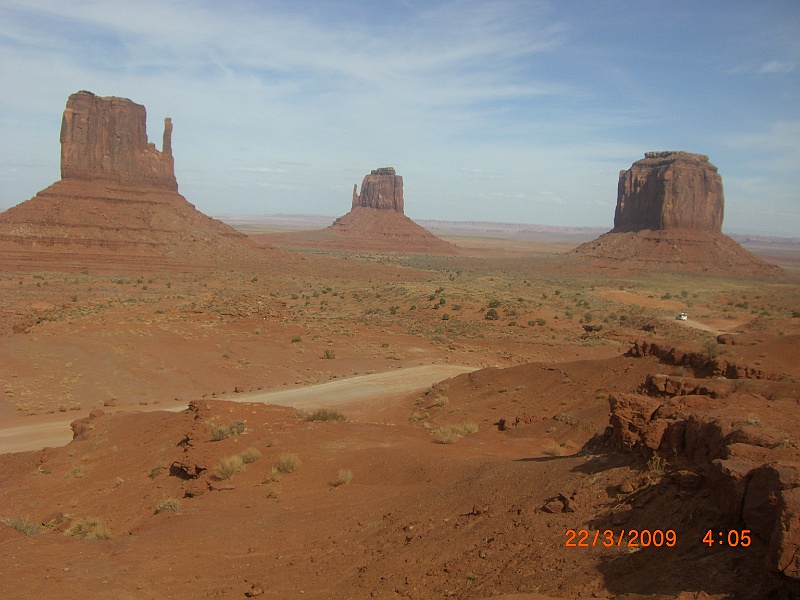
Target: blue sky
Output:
[{"x": 518, "y": 111}]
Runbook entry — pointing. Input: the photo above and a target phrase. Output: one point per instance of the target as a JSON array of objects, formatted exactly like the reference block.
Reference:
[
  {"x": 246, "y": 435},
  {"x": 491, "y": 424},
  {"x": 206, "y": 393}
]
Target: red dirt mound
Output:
[
  {"x": 75, "y": 224},
  {"x": 672, "y": 250}
]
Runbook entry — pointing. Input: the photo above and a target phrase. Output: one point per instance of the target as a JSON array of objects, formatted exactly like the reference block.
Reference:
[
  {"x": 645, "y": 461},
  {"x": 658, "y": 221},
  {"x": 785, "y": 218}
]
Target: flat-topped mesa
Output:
[
  {"x": 106, "y": 139},
  {"x": 382, "y": 189},
  {"x": 670, "y": 190}
]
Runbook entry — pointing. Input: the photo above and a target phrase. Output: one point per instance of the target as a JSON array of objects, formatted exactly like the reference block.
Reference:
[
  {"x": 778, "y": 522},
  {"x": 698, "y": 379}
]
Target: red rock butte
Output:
[
  {"x": 382, "y": 189},
  {"x": 670, "y": 190},
  {"x": 376, "y": 223},
  {"x": 670, "y": 207},
  {"x": 117, "y": 204}
]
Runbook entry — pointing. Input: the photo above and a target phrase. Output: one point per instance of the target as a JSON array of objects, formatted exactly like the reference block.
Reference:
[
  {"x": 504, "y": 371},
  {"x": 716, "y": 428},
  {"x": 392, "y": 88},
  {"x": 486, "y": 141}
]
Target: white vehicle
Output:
[{"x": 682, "y": 317}]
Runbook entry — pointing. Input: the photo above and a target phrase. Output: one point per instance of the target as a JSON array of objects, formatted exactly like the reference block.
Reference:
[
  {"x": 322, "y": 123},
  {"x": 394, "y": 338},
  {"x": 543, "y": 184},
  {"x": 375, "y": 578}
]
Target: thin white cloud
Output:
[{"x": 777, "y": 66}]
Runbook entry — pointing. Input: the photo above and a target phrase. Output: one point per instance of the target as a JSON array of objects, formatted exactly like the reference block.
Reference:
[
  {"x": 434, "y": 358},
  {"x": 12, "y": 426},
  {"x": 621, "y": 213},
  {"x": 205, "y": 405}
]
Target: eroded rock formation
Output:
[
  {"x": 669, "y": 217},
  {"x": 670, "y": 190},
  {"x": 116, "y": 206},
  {"x": 376, "y": 222},
  {"x": 382, "y": 188},
  {"x": 106, "y": 139}
]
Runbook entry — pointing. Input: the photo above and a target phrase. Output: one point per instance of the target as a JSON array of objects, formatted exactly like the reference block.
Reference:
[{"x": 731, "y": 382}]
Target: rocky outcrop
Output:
[
  {"x": 745, "y": 455},
  {"x": 670, "y": 190},
  {"x": 382, "y": 189},
  {"x": 106, "y": 139}
]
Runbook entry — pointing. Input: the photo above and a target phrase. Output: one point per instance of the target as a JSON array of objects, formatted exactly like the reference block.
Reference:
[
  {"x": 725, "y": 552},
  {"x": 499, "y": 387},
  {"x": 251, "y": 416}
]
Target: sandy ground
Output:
[{"x": 470, "y": 442}]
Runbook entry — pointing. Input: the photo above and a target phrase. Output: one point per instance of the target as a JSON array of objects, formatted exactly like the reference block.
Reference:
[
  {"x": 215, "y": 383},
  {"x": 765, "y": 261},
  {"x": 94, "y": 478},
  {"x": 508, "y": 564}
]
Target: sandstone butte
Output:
[
  {"x": 376, "y": 222},
  {"x": 669, "y": 213},
  {"x": 117, "y": 204}
]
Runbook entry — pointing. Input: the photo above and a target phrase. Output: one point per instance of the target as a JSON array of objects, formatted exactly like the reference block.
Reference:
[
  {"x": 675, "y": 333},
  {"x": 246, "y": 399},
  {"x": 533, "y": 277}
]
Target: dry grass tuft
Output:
[
  {"x": 656, "y": 465},
  {"x": 230, "y": 466},
  {"x": 440, "y": 401},
  {"x": 288, "y": 463},
  {"x": 344, "y": 477},
  {"x": 168, "y": 504},
  {"x": 22, "y": 525},
  {"x": 325, "y": 414},
  {"x": 419, "y": 415},
  {"x": 468, "y": 427},
  {"x": 555, "y": 450},
  {"x": 89, "y": 529},
  {"x": 448, "y": 434},
  {"x": 250, "y": 455},
  {"x": 220, "y": 433}
]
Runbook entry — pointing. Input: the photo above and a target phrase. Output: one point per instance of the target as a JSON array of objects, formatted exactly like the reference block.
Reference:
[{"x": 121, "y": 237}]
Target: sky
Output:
[{"x": 519, "y": 111}]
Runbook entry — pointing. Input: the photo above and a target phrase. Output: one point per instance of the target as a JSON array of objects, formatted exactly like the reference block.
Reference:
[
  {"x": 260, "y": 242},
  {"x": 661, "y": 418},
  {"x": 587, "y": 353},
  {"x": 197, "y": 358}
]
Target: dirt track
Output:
[{"x": 55, "y": 431}]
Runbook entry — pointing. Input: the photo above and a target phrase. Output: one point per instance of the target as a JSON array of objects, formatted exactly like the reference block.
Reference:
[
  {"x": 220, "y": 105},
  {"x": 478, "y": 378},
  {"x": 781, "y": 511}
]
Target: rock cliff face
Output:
[
  {"x": 106, "y": 139},
  {"x": 670, "y": 190},
  {"x": 382, "y": 189}
]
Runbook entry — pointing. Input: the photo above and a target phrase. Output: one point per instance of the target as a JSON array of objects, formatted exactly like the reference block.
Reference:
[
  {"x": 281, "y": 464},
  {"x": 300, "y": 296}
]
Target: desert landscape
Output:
[{"x": 278, "y": 408}]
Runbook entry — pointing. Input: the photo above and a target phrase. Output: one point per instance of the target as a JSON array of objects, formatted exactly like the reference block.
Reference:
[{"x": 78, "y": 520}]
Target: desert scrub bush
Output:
[
  {"x": 494, "y": 303},
  {"x": 230, "y": 466},
  {"x": 344, "y": 477},
  {"x": 250, "y": 455},
  {"x": 325, "y": 414},
  {"x": 440, "y": 401},
  {"x": 448, "y": 434},
  {"x": 220, "y": 433},
  {"x": 288, "y": 463},
  {"x": 22, "y": 525},
  {"x": 491, "y": 315},
  {"x": 468, "y": 427},
  {"x": 168, "y": 504},
  {"x": 88, "y": 529},
  {"x": 329, "y": 353},
  {"x": 656, "y": 465},
  {"x": 297, "y": 340},
  {"x": 419, "y": 415}
]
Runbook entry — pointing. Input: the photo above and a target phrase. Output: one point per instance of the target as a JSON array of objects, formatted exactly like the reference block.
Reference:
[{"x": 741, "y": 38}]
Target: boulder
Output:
[
  {"x": 630, "y": 419},
  {"x": 670, "y": 190}
]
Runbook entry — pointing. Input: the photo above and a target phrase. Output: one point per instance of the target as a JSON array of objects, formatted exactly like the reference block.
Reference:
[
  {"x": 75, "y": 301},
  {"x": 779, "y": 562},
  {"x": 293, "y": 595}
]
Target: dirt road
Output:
[
  {"x": 695, "y": 324},
  {"x": 22, "y": 435}
]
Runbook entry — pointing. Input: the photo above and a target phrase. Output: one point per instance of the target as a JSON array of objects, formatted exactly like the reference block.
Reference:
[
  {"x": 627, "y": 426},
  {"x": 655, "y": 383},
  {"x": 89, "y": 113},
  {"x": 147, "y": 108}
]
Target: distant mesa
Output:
[
  {"x": 669, "y": 213},
  {"x": 116, "y": 205},
  {"x": 376, "y": 223}
]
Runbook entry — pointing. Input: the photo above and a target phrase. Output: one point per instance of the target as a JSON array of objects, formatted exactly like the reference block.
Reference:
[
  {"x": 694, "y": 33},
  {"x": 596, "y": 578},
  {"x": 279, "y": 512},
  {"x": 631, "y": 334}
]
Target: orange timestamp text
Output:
[{"x": 631, "y": 538}]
